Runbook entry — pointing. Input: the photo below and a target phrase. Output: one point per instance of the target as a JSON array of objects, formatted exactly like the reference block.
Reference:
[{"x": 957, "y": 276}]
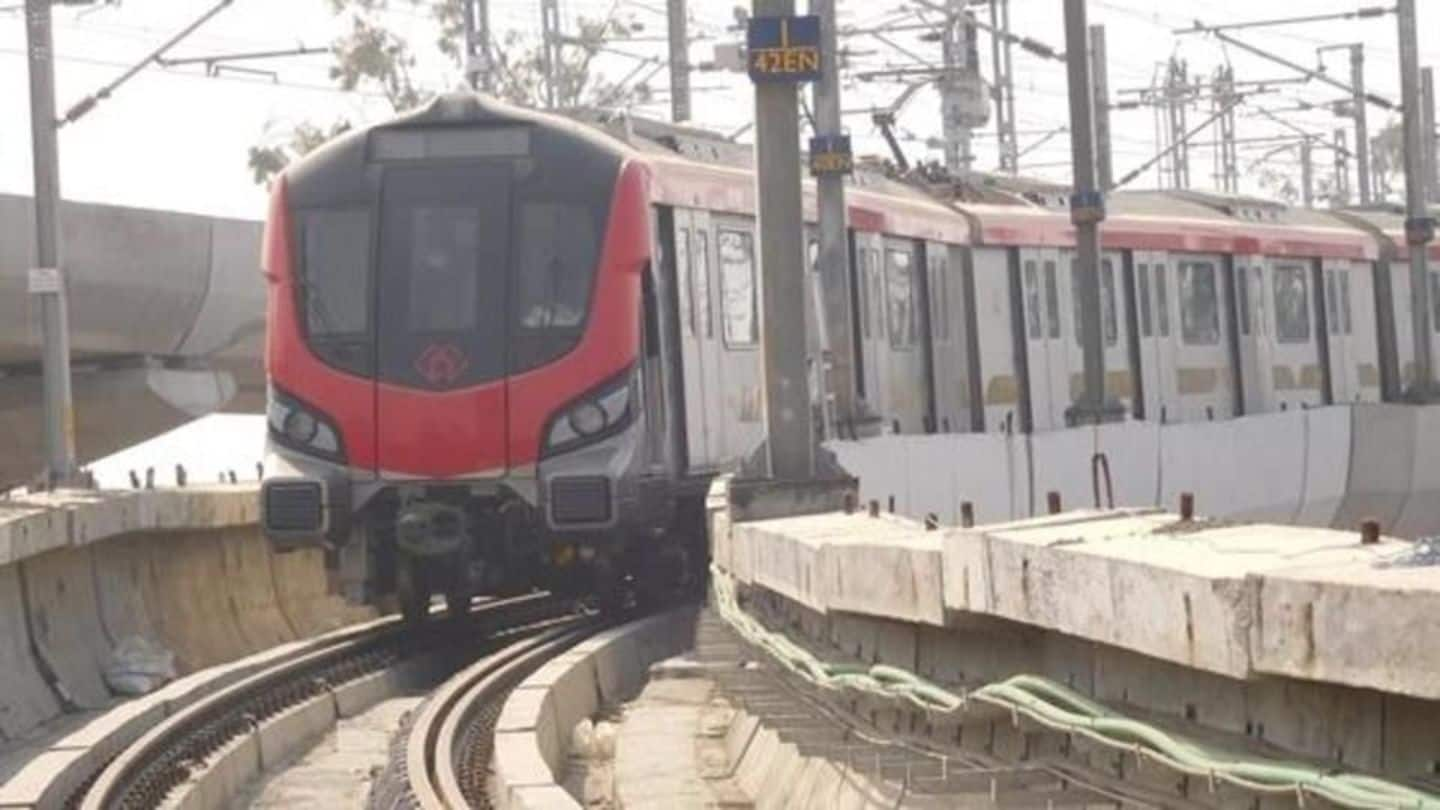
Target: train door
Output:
[
  {"x": 1117, "y": 379},
  {"x": 1044, "y": 337},
  {"x": 1203, "y": 377},
  {"x": 1153, "y": 322},
  {"x": 1254, "y": 349},
  {"x": 737, "y": 291},
  {"x": 1298, "y": 379},
  {"x": 1354, "y": 352},
  {"x": 693, "y": 349},
  {"x": 905, "y": 385},
  {"x": 870, "y": 296},
  {"x": 947, "y": 308},
  {"x": 1001, "y": 335}
]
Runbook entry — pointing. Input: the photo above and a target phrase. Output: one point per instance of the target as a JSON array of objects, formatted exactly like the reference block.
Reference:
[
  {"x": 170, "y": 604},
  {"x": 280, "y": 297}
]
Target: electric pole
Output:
[
  {"x": 1340, "y": 197},
  {"x": 788, "y": 420},
  {"x": 1087, "y": 210},
  {"x": 47, "y": 279},
  {"x": 1419, "y": 227},
  {"x": 836, "y": 372},
  {"x": 479, "y": 62},
  {"x": 1432, "y": 180},
  {"x": 1307, "y": 173},
  {"x": 1362, "y": 130},
  {"x": 1177, "y": 91},
  {"x": 679, "y": 61},
  {"x": 1007, "y": 144},
  {"x": 1227, "y": 159},
  {"x": 1099, "y": 75},
  {"x": 550, "y": 50},
  {"x": 958, "y": 86}
]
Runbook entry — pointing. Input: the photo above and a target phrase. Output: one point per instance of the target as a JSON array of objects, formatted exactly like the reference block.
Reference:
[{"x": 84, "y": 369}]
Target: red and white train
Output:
[{"x": 510, "y": 349}]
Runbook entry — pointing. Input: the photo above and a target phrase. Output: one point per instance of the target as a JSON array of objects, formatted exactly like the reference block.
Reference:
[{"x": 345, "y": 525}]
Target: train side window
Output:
[
  {"x": 1199, "y": 304},
  {"x": 1143, "y": 280},
  {"x": 1032, "y": 300},
  {"x": 1107, "y": 302},
  {"x": 1162, "y": 300},
  {"x": 1242, "y": 299},
  {"x": 1332, "y": 303},
  {"x": 337, "y": 251},
  {"x": 900, "y": 283},
  {"x": 1052, "y": 302},
  {"x": 1435, "y": 301},
  {"x": 738, "y": 296},
  {"x": 1256, "y": 280},
  {"x": 877, "y": 289},
  {"x": 700, "y": 288},
  {"x": 862, "y": 289},
  {"x": 1292, "y": 305},
  {"x": 1345, "y": 302},
  {"x": 684, "y": 268}
]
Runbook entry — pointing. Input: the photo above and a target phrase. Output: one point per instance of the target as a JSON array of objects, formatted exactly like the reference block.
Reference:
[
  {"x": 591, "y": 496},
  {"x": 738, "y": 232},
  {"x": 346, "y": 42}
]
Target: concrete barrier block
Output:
[
  {"x": 252, "y": 588},
  {"x": 1411, "y": 745},
  {"x": 897, "y": 578},
  {"x": 65, "y": 625},
  {"x": 101, "y": 516},
  {"x": 931, "y": 467},
  {"x": 1268, "y": 450},
  {"x": 1198, "y": 458},
  {"x": 47, "y": 780},
  {"x": 1346, "y": 621},
  {"x": 1382, "y": 461},
  {"x": 26, "y": 700},
  {"x": 29, "y": 528},
  {"x": 1420, "y": 516},
  {"x": 1060, "y": 461},
  {"x": 1327, "y": 464},
  {"x": 985, "y": 475},
  {"x": 122, "y": 567},
  {"x": 1132, "y": 450},
  {"x": 303, "y": 594},
  {"x": 189, "y": 597}
]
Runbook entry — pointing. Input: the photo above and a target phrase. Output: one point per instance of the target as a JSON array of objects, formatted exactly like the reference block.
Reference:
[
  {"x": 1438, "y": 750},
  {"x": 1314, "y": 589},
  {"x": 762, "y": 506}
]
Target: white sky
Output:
[{"x": 176, "y": 139}]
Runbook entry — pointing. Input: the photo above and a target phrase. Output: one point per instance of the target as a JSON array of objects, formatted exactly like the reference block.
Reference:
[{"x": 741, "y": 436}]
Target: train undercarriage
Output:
[{"x": 410, "y": 545}]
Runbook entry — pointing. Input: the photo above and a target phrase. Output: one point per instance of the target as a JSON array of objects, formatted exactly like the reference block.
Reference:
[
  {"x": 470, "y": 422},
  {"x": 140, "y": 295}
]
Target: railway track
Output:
[
  {"x": 165, "y": 760},
  {"x": 447, "y": 752}
]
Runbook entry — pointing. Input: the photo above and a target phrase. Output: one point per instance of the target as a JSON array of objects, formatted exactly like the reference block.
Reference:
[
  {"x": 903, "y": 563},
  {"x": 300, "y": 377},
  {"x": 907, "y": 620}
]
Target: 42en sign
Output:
[{"x": 784, "y": 49}]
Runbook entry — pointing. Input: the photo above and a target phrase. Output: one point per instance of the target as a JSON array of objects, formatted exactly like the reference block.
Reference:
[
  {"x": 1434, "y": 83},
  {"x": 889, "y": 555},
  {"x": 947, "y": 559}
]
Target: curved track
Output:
[
  {"x": 447, "y": 753},
  {"x": 144, "y": 774}
]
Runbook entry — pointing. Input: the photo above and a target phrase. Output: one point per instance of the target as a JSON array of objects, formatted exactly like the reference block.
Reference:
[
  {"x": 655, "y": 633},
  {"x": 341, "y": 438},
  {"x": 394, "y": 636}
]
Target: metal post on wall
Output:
[
  {"x": 679, "y": 60},
  {"x": 1419, "y": 227},
  {"x": 47, "y": 279},
  {"x": 833, "y": 262},
  {"x": 1087, "y": 210},
  {"x": 1099, "y": 75},
  {"x": 789, "y": 422}
]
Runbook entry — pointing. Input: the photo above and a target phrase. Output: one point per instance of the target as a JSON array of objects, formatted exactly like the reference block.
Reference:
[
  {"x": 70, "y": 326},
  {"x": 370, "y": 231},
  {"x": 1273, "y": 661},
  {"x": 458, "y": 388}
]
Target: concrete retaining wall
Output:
[
  {"x": 1322, "y": 467},
  {"x": 82, "y": 572},
  {"x": 532, "y": 735}
]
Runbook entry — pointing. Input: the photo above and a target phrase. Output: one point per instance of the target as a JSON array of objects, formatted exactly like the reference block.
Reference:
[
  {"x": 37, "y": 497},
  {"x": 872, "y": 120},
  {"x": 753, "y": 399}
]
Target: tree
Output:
[{"x": 371, "y": 57}]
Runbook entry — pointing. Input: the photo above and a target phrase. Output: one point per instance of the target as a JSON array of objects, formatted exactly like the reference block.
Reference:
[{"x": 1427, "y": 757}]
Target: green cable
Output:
[{"x": 1058, "y": 707}]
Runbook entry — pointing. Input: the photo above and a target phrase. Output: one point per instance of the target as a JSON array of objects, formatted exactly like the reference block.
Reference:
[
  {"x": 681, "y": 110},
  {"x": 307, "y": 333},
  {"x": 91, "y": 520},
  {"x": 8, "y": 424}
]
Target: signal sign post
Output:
[{"x": 783, "y": 50}]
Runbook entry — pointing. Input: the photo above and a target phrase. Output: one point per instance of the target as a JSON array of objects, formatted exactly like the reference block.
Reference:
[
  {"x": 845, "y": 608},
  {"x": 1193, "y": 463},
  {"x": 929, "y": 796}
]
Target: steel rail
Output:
[
  {"x": 435, "y": 748},
  {"x": 147, "y": 770}
]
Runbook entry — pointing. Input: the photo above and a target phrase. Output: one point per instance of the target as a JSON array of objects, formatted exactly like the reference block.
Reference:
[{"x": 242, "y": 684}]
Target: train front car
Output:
[{"x": 455, "y": 333}]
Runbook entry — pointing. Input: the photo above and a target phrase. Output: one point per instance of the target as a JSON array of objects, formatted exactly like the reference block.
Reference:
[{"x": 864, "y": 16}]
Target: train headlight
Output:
[
  {"x": 587, "y": 419},
  {"x": 600, "y": 413},
  {"x": 302, "y": 428}
]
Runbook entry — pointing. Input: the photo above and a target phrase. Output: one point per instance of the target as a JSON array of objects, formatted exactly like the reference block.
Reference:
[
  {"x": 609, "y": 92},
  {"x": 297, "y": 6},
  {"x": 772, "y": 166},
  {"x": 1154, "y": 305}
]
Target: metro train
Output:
[{"x": 509, "y": 349}]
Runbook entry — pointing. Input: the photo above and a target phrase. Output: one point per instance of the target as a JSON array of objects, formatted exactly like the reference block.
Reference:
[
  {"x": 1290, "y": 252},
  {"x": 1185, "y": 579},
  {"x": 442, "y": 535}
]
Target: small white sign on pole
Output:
[{"x": 44, "y": 280}]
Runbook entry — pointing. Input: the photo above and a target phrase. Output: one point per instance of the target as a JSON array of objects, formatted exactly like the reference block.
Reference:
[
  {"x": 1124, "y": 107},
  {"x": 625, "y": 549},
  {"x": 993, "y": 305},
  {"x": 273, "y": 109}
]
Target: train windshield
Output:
[{"x": 482, "y": 267}]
